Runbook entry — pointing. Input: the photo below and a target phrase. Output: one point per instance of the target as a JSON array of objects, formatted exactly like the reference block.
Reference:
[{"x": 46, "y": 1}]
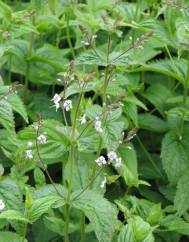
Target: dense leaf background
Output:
[{"x": 133, "y": 58}]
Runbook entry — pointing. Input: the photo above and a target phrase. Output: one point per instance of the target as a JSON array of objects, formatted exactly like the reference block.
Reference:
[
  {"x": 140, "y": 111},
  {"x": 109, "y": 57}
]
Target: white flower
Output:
[
  {"x": 29, "y": 154},
  {"x": 29, "y": 144},
  {"x": 42, "y": 139},
  {"x": 112, "y": 155},
  {"x": 35, "y": 126},
  {"x": 101, "y": 161},
  {"x": 56, "y": 99},
  {"x": 83, "y": 119},
  {"x": 2, "y": 205},
  {"x": 103, "y": 183},
  {"x": 68, "y": 105},
  {"x": 98, "y": 127},
  {"x": 118, "y": 162}
]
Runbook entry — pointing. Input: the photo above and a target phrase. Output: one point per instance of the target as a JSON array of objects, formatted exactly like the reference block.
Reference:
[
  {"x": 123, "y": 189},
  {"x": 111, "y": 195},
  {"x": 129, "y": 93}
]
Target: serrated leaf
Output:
[
  {"x": 181, "y": 201},
  {"x": 11, "y": 194},
  {"x": 13, "y": 215},
  {"x": 174, "y": 154},
  {"x": 129, "y": 167},
  {"x": 42, "y": 205},
  {"x": 174, "y": 223},
  {"x": 6, "y": 115},
  {"x": 11, "y": 237},
  {"x": 100, "y": 212}
]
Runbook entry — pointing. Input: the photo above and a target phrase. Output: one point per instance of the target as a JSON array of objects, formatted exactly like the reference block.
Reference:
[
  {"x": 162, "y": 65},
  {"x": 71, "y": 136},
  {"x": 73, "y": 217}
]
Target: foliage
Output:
[{"x": 94, "y": 121}]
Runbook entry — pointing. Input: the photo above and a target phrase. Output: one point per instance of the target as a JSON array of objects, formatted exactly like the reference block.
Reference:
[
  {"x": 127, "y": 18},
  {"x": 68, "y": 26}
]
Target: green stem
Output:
[
  {"x": 29, "y": 55},
  {"x": 9, "y": 74},
  {"x": 71, "y": 173},
  {"x": 69, "y": 38}
]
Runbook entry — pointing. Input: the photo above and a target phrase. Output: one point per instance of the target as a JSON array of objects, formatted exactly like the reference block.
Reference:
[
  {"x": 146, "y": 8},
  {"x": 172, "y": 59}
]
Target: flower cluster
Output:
[
  {"x": 67, "y": 103},
  {"x": 42, "y": 139},
  {"x": 112, "y": 157},
  {"x": 101, "y": 161}
]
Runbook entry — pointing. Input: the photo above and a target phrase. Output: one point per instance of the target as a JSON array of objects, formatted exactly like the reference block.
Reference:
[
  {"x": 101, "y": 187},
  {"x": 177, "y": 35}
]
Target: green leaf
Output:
[
  {"x": 129, "y": 167},
  {"x": 57, "y": 140},
  {"x": 181, "y": 201},
  {"x": 174, "y": 154},
  {"x": 42, "y": 205},
  {"x": 136, "y": 230},
  {"x": 174, "y": 223},
  {"x": 11, "y": 194},
  {"x": 126, "y": 234},
  {"x": 153, "y": 123},
  {"x": 11, "y": 237},
  {"x": 17, "y": 105},
  {"x": 155, "y": 214},
  {"x": 13, "y": 215},
  {"x": 177, "y": 70},
  {"x": 6, "y": 115},
  {"x": 39, "y": 176},
  {"x": 158, "y": 94},
  {"x": 100, "y": 212}
]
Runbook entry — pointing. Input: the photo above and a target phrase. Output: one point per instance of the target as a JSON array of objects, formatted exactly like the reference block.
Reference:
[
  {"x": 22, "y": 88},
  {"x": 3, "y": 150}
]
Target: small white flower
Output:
[
  {"x": 83, "y": 119},
  {"x": 35, "y": 126},
  {"x": 68, "y": 105},
  {"x": 29, "y": 154},
  {"x": 87, "y": 43},
  {"x": 2, "y": 205},
  {"x": 118, "y": 162},
  {"x": 98, "y": 127},
  {"x": 94, "y": 36},
  {"x": 112, "y": 155},
  {"x": 56, "y": 99},
  {"x": 129, "y": 147},
  {"x": 101, "y": 161},
  {"x": 29, "y": 144},
  {"x": 103, "y": 183},
  {"x": 57, "y": 105},
  {"x": 42, "y": 139}
]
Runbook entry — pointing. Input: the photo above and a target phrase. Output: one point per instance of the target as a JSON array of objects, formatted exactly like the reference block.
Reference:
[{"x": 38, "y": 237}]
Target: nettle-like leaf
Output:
[
  {"x": 181, "y": 200},
  {"x": 136, "y": 230},
  {"x": 42, "y": 205},
  {"x": 100, "y": 212},
  {"x": 176, "y": 224},
  {"x": 153, "y": 123},
  {"x": 13, "y": 215},
  {"x": 129, "y": 167},
  {"x": 91, "y": 59},
  {"x": 174, "y": 154},
  {"x": 11, "y": 194},
  {"x": 45, "y": 63},
  {"x": 10, "y": 102},
  {"x": 57, "y": 140},
  {"x": 11, "y": 237},
  {"x": 176, "y": 69},
  {"x": 158, "y": 94}
]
